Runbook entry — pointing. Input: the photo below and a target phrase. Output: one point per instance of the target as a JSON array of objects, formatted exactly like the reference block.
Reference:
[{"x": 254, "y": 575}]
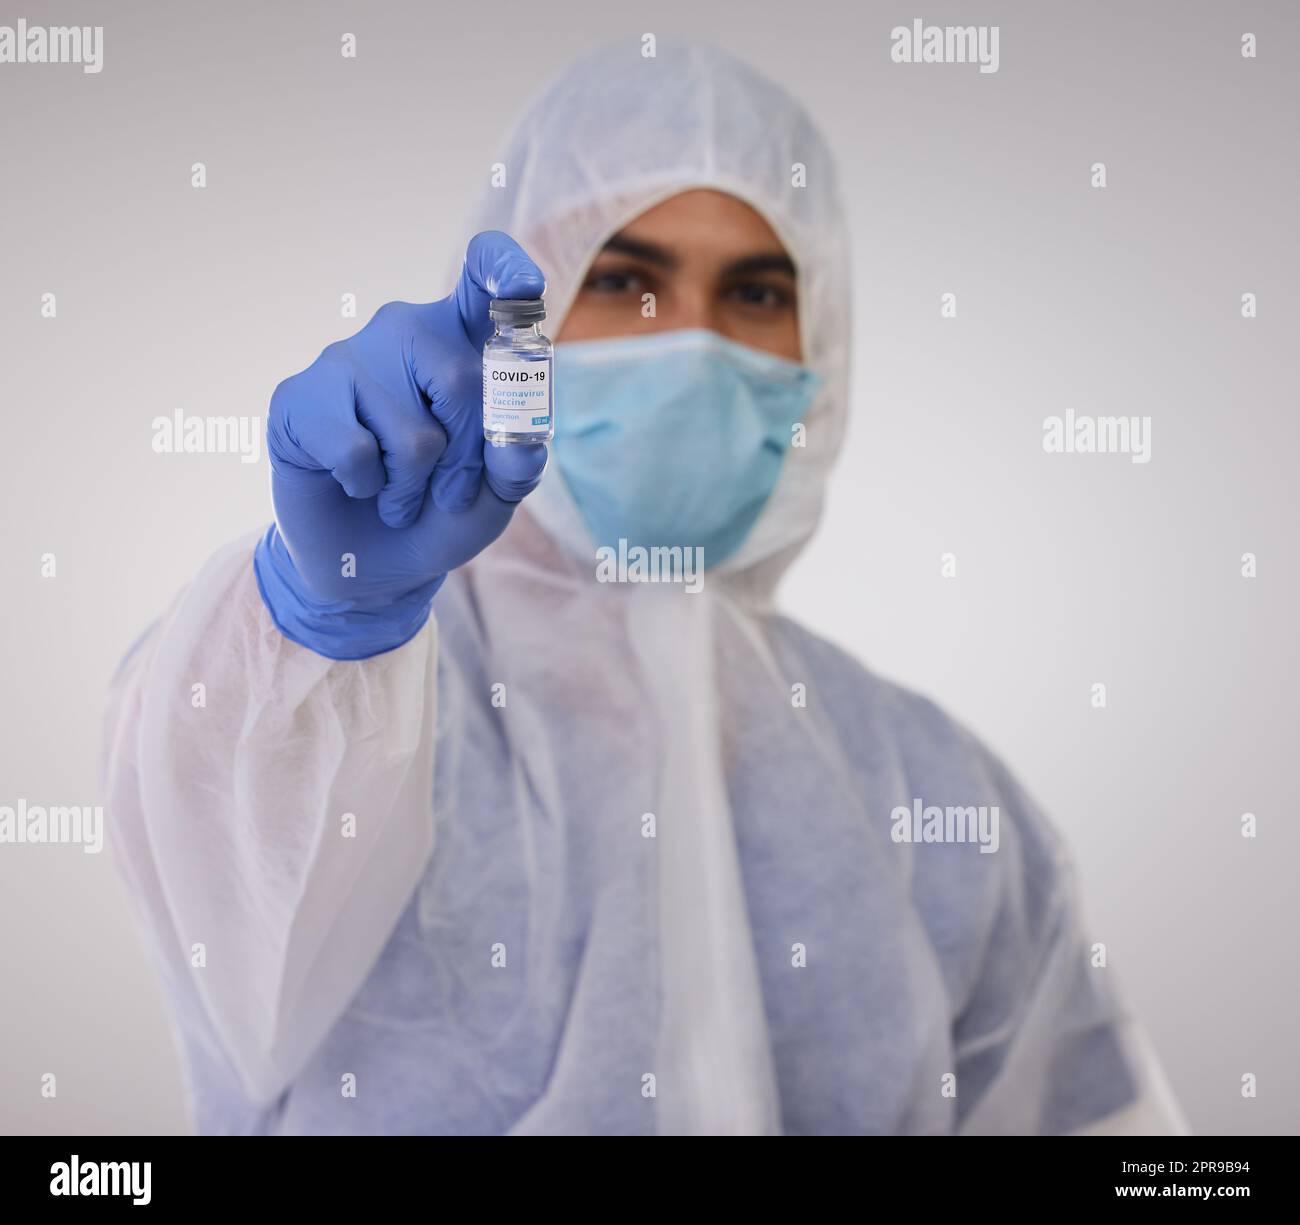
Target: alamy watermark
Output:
[
  {"x": 1082, "y": 435},
  {"x": 125, "y": 1178},
  {"x": 73, "y": 824},
  {"x": 923, "y": 44},
  {"x": 651, "y": 564},
  {"x": 24, "y": 44},
  {"x": 183, "y": 435},
  {"x": 930, "y": 823}
]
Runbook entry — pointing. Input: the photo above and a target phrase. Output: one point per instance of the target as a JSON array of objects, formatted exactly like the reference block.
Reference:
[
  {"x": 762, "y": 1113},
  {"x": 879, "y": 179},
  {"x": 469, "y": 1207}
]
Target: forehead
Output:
[{"x": 711, "y": 221}]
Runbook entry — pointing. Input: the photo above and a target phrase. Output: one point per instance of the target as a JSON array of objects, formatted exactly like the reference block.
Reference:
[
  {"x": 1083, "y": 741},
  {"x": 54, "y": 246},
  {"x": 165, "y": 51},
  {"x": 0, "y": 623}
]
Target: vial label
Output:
[{"x": 517, "y": 396}]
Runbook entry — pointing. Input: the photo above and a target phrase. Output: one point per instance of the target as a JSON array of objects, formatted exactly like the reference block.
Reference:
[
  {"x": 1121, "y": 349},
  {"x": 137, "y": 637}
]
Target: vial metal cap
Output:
[{"x": 517, "y": 310}]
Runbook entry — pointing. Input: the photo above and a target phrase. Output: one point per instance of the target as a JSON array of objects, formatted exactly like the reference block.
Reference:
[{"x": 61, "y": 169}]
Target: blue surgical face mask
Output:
[{"x": 674, "y": 438}]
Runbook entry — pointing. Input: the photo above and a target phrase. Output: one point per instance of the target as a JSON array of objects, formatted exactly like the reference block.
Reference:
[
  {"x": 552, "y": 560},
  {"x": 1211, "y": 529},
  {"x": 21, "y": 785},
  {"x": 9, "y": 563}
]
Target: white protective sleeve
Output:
[
  {"x": 1156, "y": 1111},
  {"x": 280, "y": 815}
]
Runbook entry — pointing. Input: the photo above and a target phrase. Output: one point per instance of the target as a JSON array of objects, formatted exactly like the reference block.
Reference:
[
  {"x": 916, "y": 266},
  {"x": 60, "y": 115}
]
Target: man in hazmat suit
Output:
[{"x": 476, "y": 840}]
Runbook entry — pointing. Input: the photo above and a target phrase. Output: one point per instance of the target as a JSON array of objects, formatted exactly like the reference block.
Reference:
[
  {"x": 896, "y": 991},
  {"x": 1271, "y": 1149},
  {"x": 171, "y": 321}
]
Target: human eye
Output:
[
  {"x": 761, "y": 296},
  {"x": 615, "y": 280}
]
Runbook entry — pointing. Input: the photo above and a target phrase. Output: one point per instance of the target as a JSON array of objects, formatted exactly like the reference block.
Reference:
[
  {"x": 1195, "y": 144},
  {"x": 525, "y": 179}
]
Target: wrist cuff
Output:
[{"x": 338, "y": 629}]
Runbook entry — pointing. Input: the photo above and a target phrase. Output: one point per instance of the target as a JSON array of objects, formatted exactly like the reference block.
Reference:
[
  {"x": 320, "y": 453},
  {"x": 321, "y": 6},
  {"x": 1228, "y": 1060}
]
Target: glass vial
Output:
[{"x": 518, "y": 374}]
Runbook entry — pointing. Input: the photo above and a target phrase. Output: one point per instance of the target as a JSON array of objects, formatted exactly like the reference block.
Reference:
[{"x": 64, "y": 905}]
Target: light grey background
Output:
[{"x": 328, "y": 176}]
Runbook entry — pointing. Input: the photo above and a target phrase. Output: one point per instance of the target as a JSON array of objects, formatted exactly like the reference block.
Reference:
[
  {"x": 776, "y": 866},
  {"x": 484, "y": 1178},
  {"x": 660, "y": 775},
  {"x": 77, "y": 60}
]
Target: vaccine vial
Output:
[{"x": 518, "y": 370}]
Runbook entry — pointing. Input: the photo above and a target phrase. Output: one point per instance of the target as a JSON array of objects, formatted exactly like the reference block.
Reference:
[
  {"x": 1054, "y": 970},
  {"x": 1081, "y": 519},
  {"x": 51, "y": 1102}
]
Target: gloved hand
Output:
[{"x": 380, "y": 477}]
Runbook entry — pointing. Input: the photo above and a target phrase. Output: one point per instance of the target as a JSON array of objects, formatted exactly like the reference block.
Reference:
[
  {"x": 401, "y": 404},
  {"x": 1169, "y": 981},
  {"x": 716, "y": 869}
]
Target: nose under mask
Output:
[{"x": 674, "y": 438}]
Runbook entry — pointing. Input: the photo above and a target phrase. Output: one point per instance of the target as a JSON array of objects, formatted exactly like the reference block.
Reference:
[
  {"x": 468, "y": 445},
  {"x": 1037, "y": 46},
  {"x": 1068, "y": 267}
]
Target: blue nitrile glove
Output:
[{"x": 380, "y": 477}]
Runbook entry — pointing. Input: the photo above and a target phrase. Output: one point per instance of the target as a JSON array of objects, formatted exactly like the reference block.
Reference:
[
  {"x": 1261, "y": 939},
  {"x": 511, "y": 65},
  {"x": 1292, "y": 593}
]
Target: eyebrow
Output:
[
  {"x": 650, "y": 252},
  {"x": 761, "y": 263},
  {"x": 653, "y": 253}
]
